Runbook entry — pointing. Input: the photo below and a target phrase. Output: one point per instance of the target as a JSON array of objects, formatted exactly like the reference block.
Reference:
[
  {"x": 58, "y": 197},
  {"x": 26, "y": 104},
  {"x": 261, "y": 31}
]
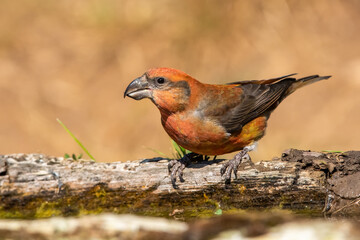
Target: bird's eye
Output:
[{"x": 160, "y": 80}]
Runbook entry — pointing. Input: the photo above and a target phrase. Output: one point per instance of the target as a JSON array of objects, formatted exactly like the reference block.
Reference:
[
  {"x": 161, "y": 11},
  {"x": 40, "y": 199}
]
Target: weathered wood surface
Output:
[{"x": 35, "y": 185}]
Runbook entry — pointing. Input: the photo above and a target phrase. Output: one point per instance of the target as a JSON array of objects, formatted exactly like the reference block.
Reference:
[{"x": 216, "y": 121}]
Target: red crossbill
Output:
[{"x": 213, "y": 119}]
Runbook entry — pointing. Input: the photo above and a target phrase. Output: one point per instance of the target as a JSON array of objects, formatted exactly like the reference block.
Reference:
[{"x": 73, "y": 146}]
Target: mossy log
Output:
[{"x": 312, "y": 183}]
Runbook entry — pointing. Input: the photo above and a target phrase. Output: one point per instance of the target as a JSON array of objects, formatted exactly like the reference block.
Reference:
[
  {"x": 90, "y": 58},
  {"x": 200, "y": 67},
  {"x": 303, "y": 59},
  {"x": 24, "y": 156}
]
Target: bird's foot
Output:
[
  {"x": 177, "y": 166},
  {"x": 232, "y": 166},
  {"x": 57, "y": 177}
]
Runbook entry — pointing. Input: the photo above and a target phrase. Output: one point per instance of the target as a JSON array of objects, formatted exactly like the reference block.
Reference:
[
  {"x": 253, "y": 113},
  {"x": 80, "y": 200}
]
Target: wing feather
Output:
[
  {"x": 257, "y": 99},
  {"x": 265, "y": 81}
]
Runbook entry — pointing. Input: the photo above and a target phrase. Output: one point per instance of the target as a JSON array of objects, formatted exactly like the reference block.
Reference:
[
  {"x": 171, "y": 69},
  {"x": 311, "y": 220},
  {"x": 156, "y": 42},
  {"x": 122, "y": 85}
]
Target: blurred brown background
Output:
[{"x": 73, "y": 60}]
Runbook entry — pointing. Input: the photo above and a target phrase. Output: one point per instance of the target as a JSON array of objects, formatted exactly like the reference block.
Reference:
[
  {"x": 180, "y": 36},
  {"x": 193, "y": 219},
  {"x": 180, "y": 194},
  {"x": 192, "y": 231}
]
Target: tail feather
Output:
[{"x": 301, "y": 82}]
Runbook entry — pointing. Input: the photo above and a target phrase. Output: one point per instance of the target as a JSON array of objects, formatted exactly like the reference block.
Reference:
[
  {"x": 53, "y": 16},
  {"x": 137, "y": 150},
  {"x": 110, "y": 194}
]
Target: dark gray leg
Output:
[
  {"x": 177, "y": 166},
  {"x": 233, "y": 165}
]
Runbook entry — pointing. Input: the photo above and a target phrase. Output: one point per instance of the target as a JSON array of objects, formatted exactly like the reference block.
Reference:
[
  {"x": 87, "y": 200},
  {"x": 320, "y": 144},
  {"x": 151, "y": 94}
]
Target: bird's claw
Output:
[
  {"x": 232, "y": 166},
  {"x": 176, "y": 167},
  {"x": 57, "y": 177}
]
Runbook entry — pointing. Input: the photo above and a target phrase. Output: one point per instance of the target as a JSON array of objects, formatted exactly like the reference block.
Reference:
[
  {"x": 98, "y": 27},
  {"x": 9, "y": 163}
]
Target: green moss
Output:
[
  {"x": 47, "y": 209},
  {"x": 10, "y": 214},
  {"x": 191, "y": 205}
]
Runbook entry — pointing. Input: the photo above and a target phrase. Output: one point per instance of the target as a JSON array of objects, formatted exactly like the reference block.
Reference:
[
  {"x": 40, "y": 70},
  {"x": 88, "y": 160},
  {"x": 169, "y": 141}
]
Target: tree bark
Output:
[{"x": 311, "y": 183}]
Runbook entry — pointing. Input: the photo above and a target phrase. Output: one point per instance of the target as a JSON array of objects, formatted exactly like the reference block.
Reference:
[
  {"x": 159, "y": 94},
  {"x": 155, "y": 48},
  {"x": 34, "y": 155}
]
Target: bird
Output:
[{"x": 209, "y": 119}]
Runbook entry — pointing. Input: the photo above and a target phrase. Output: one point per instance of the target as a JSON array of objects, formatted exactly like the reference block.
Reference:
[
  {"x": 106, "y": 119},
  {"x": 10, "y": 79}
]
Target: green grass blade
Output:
[
  {"x": 177, "y": 149},
  {"x": 332, "y": 151},
  {"x": 76, "y": 140},
  {"x": 157, "y": 152},
  {"x": 181, "y": 152}
]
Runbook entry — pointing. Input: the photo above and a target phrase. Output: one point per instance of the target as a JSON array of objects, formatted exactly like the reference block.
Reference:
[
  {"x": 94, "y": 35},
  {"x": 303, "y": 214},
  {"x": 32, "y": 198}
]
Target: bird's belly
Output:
[{"x": 208, "y": 138}]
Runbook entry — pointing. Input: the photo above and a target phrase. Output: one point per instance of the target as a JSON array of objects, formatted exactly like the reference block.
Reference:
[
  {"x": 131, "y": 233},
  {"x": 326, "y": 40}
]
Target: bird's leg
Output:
[
  {"x": 177, "y": 166},
  {"x": 57, "y": 177},
  {"x": 233, "y": 165},
  {"x": 199, "y": 158}
]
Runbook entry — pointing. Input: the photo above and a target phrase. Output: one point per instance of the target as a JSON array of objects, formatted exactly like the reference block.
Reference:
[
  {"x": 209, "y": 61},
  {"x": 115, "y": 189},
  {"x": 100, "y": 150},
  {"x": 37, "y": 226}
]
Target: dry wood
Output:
[{"x": 35, "y": 185}]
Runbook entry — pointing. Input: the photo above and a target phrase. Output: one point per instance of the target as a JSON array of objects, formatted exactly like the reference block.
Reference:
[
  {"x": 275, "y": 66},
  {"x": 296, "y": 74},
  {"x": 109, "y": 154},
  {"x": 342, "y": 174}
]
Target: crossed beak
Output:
[{"x": 138, "y": 89}]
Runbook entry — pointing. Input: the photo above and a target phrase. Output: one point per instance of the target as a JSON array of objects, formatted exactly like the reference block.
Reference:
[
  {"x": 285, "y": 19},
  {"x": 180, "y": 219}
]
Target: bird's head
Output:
[{"x": 169, "y": 89}]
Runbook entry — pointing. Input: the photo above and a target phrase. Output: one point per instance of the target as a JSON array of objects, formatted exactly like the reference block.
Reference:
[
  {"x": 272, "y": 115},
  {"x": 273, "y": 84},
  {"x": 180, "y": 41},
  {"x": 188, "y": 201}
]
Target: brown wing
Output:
[
  {"x": 257, "y": 100},
  {"x": 260, "y": 98}
]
